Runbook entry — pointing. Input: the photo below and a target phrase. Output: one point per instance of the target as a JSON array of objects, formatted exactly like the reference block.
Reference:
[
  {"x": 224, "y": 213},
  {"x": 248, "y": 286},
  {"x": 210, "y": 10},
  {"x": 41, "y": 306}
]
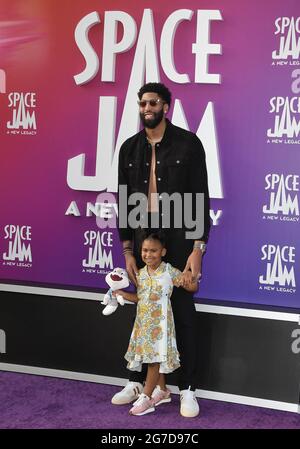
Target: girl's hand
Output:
[
  {"x": 186, "y": 279},
  {"x": 118, "y": 292}
]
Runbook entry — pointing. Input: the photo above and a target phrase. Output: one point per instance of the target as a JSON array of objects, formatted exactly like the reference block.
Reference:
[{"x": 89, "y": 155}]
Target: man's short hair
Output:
[{"x": 160, "y": 89}]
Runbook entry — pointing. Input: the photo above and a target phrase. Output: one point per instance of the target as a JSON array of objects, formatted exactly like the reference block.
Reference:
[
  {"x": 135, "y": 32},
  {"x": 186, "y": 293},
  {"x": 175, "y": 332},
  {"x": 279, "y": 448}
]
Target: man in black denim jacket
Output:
[{"x": 165, "y": 159}]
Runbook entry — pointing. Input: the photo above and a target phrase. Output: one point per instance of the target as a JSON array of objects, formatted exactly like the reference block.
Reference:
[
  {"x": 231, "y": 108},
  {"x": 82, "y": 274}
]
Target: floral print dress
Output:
[{"x": 153, "y": 336}]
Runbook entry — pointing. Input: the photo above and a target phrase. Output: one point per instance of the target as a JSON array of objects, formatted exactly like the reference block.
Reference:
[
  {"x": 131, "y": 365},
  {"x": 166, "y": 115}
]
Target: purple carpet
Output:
[{"x": 37, "y": 402}]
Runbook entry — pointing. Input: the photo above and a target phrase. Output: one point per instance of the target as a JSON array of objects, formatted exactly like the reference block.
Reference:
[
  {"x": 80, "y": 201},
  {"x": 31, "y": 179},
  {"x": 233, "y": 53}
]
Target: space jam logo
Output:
[
  {"x": 288, "y": 31},
  {"x": 286, "y": 124},
  {"x": 19, "y": 246},
  {"x": 99, "y": 246},
  {"x": 279, "y": 274},
  {"x": 23, "y": 113},
  {"x": 141, "y": 38},
  {"x": 283, "y": 201}
]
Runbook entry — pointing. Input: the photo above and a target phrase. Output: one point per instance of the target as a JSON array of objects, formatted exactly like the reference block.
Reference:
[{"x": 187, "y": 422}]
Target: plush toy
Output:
[{"x": 116, "y": 279}]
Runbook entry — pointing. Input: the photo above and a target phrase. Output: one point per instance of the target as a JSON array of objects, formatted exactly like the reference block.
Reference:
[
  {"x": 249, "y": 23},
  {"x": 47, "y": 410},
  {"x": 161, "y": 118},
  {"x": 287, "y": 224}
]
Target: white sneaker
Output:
[
  {"x": 189, "y": 407},
  {"x": 129, "y": 394}
]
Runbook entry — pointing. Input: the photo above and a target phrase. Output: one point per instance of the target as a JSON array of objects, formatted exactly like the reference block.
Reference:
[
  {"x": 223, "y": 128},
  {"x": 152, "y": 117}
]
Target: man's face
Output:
[{"x": 153, "y": 110}]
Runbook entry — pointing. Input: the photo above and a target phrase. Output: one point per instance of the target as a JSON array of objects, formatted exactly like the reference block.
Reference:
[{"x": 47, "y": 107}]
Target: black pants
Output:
[{"x": 178, "y": 250}]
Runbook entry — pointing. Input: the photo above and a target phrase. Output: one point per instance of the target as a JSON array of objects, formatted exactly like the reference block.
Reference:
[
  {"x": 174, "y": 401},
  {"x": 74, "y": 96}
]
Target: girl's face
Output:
[{"x": 152, "y": 252}]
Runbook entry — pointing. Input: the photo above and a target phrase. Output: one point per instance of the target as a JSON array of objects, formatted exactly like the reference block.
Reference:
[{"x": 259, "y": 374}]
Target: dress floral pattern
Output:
[{"x": 153, "y": 336}]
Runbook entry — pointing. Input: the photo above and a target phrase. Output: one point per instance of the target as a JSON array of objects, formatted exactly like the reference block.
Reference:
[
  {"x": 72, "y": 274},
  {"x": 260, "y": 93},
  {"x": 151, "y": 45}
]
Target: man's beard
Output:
[{"x": 152, "y": 123}]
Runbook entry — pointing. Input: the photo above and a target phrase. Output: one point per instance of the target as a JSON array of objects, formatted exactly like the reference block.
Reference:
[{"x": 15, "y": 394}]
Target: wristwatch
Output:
[{"x": 201, "y": 246}]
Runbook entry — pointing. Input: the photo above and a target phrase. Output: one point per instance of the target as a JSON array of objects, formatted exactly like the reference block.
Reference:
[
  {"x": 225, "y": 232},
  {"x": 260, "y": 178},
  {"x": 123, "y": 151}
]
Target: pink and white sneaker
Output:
[
  {"x": 160, "y": 396},
  {"x": 142, "y": 406}
]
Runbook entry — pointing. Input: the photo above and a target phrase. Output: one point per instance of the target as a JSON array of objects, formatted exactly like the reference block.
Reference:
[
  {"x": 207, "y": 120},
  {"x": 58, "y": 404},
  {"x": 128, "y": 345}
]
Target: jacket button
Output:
[
  {"x": 158, "y": 162},
  {"x": 145, "y": 181},
  {"x": 158, "y": 179},
  {"x": 177, "y": 162},
  {"x": 130, "y": 165},
  {"x": 147, "y": 163}
]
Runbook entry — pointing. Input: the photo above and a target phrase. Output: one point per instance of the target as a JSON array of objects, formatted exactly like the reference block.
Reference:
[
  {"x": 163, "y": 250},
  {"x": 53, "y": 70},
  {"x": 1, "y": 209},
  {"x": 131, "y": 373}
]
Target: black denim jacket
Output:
[{"x": 180, "y": 167}]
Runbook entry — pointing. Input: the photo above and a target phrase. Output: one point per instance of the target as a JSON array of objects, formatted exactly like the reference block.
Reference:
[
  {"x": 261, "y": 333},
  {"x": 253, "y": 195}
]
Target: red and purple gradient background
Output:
[{"x": 39, "y": 54}]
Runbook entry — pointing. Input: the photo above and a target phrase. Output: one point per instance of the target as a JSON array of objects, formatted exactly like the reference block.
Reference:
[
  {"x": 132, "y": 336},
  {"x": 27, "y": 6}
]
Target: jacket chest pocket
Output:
[
  {"x": 132, "y": 174},
  {"x": 177, "y": 172}
]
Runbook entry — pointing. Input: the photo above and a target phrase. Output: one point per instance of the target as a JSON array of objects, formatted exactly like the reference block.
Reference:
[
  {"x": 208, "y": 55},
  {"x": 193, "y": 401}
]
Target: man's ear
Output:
[
  {"x": 164, "y": 252},
  {"x": 166, "y": 108}
]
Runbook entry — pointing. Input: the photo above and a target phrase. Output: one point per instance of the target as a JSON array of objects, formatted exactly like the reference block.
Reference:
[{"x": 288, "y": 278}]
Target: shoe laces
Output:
[
  {"x": 140, "y": 399},
  {"x": 187, "y": 394},
  {"x": 156, "y": 390}
]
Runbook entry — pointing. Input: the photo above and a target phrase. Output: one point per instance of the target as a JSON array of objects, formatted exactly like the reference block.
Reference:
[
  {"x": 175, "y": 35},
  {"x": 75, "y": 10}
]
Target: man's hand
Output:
[
  {"x": 131, "y": 267},
  {"x": 194, "y": 263}
]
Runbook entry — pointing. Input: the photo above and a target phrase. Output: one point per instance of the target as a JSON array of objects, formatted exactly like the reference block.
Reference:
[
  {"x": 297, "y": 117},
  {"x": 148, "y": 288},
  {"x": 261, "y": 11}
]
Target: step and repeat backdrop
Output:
[{"x": 69, "y": 76}]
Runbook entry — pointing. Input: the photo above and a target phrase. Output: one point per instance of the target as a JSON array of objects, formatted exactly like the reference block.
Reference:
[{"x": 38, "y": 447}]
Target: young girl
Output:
[{"x": 153, "y": 336}]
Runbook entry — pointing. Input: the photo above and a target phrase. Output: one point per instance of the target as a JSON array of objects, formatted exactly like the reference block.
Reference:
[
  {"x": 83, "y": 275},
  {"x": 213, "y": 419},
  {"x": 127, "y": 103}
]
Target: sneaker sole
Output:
[
  {"x": 149, "y": 410},
  {"x": 124, "y": 402},
  {"x": 189, "y": 415},
  {"x": 163, "y": 401}
]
